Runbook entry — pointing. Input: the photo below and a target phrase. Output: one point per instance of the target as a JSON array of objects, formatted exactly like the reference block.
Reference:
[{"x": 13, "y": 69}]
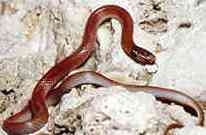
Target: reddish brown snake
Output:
[{"x": 35, "y": 115}]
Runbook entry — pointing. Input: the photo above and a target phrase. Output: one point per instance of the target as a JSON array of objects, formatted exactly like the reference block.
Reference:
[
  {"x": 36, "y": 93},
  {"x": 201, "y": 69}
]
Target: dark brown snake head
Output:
[{"x": 142, "y": 56}]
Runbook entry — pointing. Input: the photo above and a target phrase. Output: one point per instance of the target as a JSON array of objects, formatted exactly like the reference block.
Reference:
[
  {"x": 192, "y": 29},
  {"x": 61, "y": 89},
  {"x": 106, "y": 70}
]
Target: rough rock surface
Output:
[{"x": 34, "y": 35}]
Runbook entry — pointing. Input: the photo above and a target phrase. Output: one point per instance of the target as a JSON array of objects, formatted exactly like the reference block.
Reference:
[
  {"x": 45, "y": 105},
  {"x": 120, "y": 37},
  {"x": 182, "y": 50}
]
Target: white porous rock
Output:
[
  {"x": 2, "y": 132},
  {"x": 182, "y": 64},
  {"x": 115, "y": 110},
  {"x": 27, "y": 51},
  {"x": 191, "y": 130},
  {"x": 3, "y": 102},
  {"x": 179, "y": 59}
]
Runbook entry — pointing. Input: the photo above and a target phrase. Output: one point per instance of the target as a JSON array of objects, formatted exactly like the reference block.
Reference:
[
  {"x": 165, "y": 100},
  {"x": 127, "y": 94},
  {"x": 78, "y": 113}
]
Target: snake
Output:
[{"x": 59, "y": 80}]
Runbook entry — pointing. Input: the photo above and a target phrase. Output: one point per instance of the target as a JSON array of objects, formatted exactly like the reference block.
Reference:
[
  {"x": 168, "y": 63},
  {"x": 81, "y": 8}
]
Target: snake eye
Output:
[{"x": 142, "y": 56}]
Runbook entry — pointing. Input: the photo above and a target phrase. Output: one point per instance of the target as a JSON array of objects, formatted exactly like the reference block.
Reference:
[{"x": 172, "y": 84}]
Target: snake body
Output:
[{"x": 35, "y": 114}]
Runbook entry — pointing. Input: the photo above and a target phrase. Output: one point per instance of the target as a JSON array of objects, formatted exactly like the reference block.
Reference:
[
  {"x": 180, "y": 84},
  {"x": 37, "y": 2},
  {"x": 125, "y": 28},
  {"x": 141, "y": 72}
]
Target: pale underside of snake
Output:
[{"x": 35, "y": 114}]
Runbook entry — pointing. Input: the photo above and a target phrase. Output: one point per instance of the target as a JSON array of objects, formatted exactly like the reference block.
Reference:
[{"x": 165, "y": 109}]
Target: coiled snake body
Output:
[{"x": 35, "y": 114}]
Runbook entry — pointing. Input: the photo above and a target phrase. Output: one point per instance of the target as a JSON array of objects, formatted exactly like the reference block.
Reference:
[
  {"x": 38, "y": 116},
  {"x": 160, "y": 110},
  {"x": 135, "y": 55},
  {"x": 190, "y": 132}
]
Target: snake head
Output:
[{"x": 142, "y": 56}]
